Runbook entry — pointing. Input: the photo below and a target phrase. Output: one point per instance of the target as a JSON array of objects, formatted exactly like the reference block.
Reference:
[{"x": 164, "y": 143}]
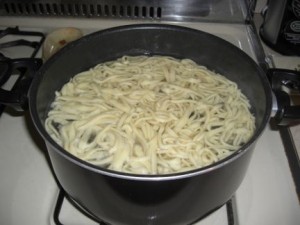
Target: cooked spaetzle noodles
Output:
[{"x": 150, "y": 115}]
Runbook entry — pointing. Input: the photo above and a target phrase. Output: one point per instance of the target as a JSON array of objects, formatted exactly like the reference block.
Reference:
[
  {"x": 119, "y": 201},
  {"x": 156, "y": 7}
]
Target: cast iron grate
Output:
[{"x": 19, "y": 39}]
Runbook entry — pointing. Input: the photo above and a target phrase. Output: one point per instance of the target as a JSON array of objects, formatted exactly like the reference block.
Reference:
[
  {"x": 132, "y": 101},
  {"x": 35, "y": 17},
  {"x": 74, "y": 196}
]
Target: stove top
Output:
[{"x": 30, "y": 194}]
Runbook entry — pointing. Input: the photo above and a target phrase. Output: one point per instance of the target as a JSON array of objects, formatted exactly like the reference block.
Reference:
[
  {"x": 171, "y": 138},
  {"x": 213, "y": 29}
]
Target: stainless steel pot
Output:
[{"x": 119, "y": 198}]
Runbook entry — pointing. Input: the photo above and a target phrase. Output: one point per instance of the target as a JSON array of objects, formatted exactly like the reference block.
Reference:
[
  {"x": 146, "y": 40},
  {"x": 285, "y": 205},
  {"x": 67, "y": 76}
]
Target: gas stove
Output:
[{"x": 30, "y": 193}]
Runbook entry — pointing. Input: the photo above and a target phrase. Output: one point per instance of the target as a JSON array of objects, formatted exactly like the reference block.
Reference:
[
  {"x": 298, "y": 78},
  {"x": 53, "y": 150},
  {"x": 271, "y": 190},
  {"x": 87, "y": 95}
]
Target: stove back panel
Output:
[{"x": 203, "y": 10}]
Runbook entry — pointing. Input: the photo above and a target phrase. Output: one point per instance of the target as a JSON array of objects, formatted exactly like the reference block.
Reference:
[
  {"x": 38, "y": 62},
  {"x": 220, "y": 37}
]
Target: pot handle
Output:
[
  {"x": 17, "y": 96},
  {"x": 286, "y": 113}
]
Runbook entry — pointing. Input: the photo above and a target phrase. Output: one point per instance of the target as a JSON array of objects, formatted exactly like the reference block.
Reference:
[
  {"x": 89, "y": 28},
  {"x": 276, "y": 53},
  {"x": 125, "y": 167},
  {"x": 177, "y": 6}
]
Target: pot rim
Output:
[{"x": 173, "y": 176}]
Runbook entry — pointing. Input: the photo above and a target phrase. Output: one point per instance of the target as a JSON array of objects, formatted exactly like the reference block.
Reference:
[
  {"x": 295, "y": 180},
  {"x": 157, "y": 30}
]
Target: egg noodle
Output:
[{"x": 150, "y": 115}]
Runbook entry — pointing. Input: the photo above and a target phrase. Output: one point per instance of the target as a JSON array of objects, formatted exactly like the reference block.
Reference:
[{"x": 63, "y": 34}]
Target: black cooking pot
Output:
[{"x": 120, "y": 198}]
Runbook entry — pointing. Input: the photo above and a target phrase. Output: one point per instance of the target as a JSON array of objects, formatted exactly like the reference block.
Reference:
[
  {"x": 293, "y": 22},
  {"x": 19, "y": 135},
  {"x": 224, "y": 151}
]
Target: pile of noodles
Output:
[{"x": 150, "y": 115}]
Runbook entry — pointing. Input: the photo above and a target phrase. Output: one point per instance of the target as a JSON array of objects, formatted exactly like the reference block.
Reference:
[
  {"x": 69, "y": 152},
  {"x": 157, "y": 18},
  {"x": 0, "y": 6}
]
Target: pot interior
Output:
[{"x": 205, "y": 49}]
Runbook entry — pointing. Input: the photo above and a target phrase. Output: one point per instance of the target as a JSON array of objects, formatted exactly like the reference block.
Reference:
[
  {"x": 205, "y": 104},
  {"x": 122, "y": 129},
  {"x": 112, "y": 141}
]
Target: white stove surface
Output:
[{"x": 28, "y": 190}]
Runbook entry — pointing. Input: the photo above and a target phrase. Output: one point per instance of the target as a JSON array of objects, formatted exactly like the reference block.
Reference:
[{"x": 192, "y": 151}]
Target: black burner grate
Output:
[
  {"x": 9, "y": 65},
  {"x": 59, "y": 203}
]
